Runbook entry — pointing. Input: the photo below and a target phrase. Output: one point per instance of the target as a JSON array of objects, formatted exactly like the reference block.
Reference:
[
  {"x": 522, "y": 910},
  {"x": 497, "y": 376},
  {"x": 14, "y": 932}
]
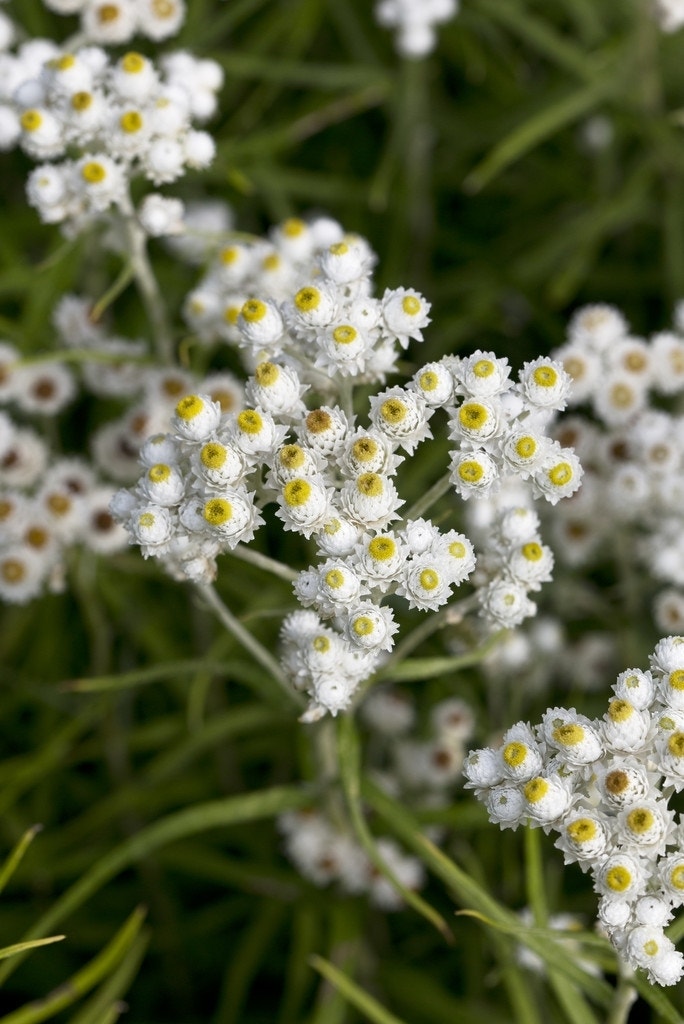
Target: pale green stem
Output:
[
  {"x": 147, "y": 284},
  {"x": 438, "y": 489},
  {"x": 451, "y": 615},
  {"x": 264, "y": 562},
  {"x": 624, "y": 998},
  {"x": 245, "y": 638},
  {"x": 347, "y": 399}
]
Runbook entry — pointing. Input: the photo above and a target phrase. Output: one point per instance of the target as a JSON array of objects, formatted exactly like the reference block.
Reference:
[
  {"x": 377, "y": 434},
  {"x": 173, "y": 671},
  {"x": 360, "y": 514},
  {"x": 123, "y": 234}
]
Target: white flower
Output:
[
  {"x": 402, "y": 416},
  {"x": 425, "y": 583},
  {"x": 559, "y": 475},
  {"x": 161, "y": 215},
  {"x": 473, "y": 473},
  {"x": 371, "y": 500},
  {"x": 482, "y": 375},
  {"x": 304, "y": 504},
  {"x": 404, "y": 313},
  {"x": 370, "y": 627},
  {"x": 505, "y": 603},
  {"x": 196, "y": 417}
]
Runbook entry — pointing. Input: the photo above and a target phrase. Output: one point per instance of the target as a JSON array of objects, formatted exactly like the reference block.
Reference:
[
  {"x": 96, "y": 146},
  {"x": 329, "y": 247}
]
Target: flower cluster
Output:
[
  {"x": 112, "y": 22},
  {"x": 632, "y": 447},
  {"x": 414, "y": 22},
  {"x": 326, "y": 854},
  {"x": 106, "y": 122},
  {"x": 670, "y": 14},
  {"x": 604, "y": 787}
]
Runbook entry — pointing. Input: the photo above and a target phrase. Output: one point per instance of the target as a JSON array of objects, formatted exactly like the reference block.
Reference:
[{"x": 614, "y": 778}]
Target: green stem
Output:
[
  {"x": 623, "y": 1000},
  {"x": 147, "y": 284},
  {"x": 264, "y": 562},
  {"x": 438, "y": 490},
  {"x": 245, "y": 638}
]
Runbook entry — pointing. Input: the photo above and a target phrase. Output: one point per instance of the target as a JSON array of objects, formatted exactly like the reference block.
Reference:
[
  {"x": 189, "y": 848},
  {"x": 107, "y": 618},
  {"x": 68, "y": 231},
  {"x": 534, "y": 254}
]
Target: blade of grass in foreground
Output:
[
  {"x": 190, "y": 821},
  {"x": 84, "y": 980},
  {"x": 16, "y": 855},
  {"x": 369, "y": 1006}
]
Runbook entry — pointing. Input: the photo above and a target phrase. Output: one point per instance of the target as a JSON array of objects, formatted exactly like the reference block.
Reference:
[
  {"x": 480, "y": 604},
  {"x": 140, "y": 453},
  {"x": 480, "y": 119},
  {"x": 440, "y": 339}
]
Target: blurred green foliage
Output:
[{"x": 474, "y": 177}]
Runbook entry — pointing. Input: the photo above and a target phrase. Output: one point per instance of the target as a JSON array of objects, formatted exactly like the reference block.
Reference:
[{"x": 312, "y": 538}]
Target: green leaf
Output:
[
  {"x": 84, "y": 980},
  {"x": 16, "y": 855},
  {"x": 366, "y": 1004},
  {"x": 350, "y": 772},
  {"x": 190, "y": 821},
  {"x": 557, "y": 115},
  {"x": 24, "y": 947}
]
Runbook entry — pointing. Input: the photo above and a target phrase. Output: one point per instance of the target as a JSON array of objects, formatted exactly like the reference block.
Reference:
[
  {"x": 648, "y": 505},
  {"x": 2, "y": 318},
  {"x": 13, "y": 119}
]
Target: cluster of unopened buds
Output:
[{"x": 604, "y": 787}]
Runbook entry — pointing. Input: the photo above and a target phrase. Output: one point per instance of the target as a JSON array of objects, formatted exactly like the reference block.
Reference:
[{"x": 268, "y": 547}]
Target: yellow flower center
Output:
[
  {"x": 307, "y": 299},
  {"x": 59, "y": 504},
  {"x": 189, "y": 407},
  {"x": 619, "y": 878},
  {"x": 569, "y": 734},
  {"x": 213, "y": 455},
  {"x": 217, "y": 511},
  {"x": 651, "y": 947},
  {"x": 429, "y": 579},
  {"x": 65, "y": 62},
  {"x": 583, "y": 830},
  {"x": 532, "y": 551},
  {"x": 31, "y": 120},
  {"x": 536, "y": 790},
  {"x": 131, "y": 122},
  {"x": 163, "y": 8},
  {"x": 677, "y": 877},
  {"x": 334, "y": 578},
  {"x": 428, "y": 380},
  {"x": 365, "y": 449},
  {"x": 370, "y": 484},
  {"x": 146, "y": 520},
  {"x": 676, "y": 679},
  {"x": 321, "y": 644},
  {"x": 266, "y": 374},
  {"x": 108, "y": 13},
  {"x": 159, "y": 473},
  {"x": 545, "y": 376},
  {"x": 250, "y": 422},
  {"x": 93, "y": 172},
  {"x": 514, "y": 754},
  {"x": 457, "y": 549},
  {"x": 81, "y": 100},
  {"x": 560, "y": 474},
  {"x": 344, "y": 335},
  {"x": 293, "y": 227},
  {"x": 411, "y": 305},
  {"x": 13, "y": 571},
  {"x": 382, "y": 548},
  {"x": 675, "y": 744},
  {"x": 363, "y": 625},
  {"x": 318, "y": 421},
  {"x": 291, "y": 456},
  {"x": 484, "y": 368},
  {"x": 254, "y": 310},
  {"x": 620, "y": 711},
  {"x": 526, "y": 447},
  {"x": 470, "y": 471},
  {"x": 640, "y": 820},
  {"x": 271, "y": 262},
  {"x": 229, "y": 255},
  {"x": 132, "y": 63},
  {"x": 297, "y": 492},
  {"x": 472, "y": 415},
  {"x": 393, "y": 410}
]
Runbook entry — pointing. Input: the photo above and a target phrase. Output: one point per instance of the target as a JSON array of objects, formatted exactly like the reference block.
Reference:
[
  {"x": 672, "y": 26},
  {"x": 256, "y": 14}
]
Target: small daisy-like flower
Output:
[
  {"x": 260, "y": 323},
  {"x": 646, "y": 827},
  {"x": 425, "y": 584},
  {"x": 232, "y": 516},
  {"x": 402, "y": 416},
  {"x": 483, "y": 375},
  {"x": 505, "y": 603},
  {"x": 371, "y": 500},
  {"x": 219, "y": 464},
  {"x": 521, "y": 758},
  {"x": 304, "y": 504},
  {"x": 530, "y": 564},
  {"x": 371, "y": 627},
  {"x": 370, "y": 451},
  {"x": 277, "y": 389},
  {"x": 524, "y": 451},
  {"x": 559, "y": 475},
  {"x": 196, "y": 417},
  {"x": 22, "y": 573},
  {"x": 404, "y": 314},
  {"x": 476, "y": 421},
  {"x": 152, "y": 527},
  {"x": 546, "y": 799},
  {"x": 474, "y": 474},
  {"x": 256, "y": 432},
  {"x": 325, "y": 430},
  {"x": 435, "y": 383},
  {"x": 597, "y": 326},
  {"x": 544, "y": 384}
]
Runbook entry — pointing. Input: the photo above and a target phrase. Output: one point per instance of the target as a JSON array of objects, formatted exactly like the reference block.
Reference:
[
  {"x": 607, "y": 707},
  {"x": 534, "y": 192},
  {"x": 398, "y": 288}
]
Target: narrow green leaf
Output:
[
  {"x": 536, "y": 129},
  {"x": 16, "y": 855},
  {"x": 366, "y": 1004},
  {"x": 84, "y": 980},
  {"x": 306, "y": 75},
  {"x": 350, "y": 772},
  {"x": 24, "y": 947},
  {"x": 107, "y": 997},
  {"x": 190, "y": 821},
  {"x": 143, "y": 676},
  {"x": 469, "y": 893},
  {"x": 655, "y": 997}
]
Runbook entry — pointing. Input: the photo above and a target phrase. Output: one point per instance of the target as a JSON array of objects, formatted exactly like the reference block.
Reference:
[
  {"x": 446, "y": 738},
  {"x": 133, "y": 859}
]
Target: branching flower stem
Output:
[
  {"x": 438, "y": 489},
  {"x": 246, "y": 640},
  {"x": 147, "y": 284}
]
